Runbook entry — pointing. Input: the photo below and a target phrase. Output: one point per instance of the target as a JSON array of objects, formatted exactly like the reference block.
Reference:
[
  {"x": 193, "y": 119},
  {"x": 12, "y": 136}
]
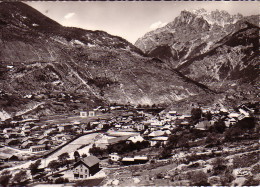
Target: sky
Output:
[{"x": 131, "y": 19}]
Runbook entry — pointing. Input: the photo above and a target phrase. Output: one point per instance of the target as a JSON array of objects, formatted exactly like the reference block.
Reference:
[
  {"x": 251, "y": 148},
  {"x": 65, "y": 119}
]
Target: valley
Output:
[{"x": 80, "y": 107}]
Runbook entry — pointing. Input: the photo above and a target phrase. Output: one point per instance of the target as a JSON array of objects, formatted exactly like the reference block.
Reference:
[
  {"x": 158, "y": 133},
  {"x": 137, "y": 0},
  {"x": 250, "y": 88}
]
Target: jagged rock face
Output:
[
  {"x": 213, "y": 48},
  {"x": 40, "y": 57},
  {"x": 235, "y": 58}
]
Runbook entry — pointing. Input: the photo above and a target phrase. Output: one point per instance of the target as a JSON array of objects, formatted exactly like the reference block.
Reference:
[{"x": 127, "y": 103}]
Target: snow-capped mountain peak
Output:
[{"x": 218, "y": 17}]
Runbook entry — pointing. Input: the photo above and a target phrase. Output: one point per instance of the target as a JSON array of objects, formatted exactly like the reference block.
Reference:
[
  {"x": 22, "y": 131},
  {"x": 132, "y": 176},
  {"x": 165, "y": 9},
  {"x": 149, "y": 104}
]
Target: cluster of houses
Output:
[
  {"x": 156, "y": 129},
  {"x": 36, "y": 137}
]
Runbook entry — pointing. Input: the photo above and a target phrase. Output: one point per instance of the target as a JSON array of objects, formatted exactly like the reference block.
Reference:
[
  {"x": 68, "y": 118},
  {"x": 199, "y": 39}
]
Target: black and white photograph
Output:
[{"x": 129, "y": 93}]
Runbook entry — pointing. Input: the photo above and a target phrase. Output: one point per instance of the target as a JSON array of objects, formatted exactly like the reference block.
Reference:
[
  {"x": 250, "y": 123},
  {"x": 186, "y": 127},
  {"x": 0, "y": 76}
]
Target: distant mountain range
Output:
[
  {"x": 51, "y": 68},
  {"x": 214, "y": 48}
]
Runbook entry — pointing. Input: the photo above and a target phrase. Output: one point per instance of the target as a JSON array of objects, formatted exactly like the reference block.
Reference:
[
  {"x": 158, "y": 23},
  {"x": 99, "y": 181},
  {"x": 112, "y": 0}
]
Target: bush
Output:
[
  {"x": 61, "y": 180},
  {"x": 245, "y": 160},
  {"x": 159, "y": 176},
  {"x": 5, "y": 178},
  {"x": 256, "y": 169},
  {"x": 198, "y": 178},
  {"x": 227, "y": 179},
  {"x": 251, "y": 182},
  {"x": 195, "y": 165},
  {"x": 214, "y": 180}
]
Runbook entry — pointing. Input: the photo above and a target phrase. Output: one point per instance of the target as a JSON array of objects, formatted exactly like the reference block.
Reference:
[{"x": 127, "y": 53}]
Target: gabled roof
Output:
[
  {"x": 88, "y": 161},
  {"x": 26, "y": 143},
  {"x": 160, "y": 138},
  {"x": 157, "y": 133},
  {"x": 118, "y": 139},
  {"x": 38, "y": 146}
]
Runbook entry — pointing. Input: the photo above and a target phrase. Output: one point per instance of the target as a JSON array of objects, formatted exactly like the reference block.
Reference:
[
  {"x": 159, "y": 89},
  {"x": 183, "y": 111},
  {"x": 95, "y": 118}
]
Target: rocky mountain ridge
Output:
[{"x": 214, "y": 48}]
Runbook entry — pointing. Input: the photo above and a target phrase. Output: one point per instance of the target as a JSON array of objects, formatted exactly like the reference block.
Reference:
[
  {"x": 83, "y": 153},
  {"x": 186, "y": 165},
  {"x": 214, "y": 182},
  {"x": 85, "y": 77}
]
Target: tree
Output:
[
  {"x": 5, "y": 178},
  {"x": 183, "y": 141},
  {"x": 219, "y": 165},
  {"x": 199, "y": 178},
  {"x": 97, "y": 151},
  {"x": 105, "y": 127},
  {"x": 158, "y": 144},
  {"x": 19, "y": 177},
  {"x": 166, "y": 153},
  {"x": 233, "y": 132},
  {"x": 211, "y": 138},
  {"x": 54, "y": 165},
  {"x": 88, "y": 126},
  {"x": 246, "y": 123},
  {"x": 218, "y": 127},
  {"x": 208, "y": 115},
  {"x": 196, "y": 114},
  {"x": 172, "y": 141},
  {"x": 76, "y": 156},
  {"x": 34, "y": 167},
  {"x": 84, "y": 155},
  {"x": 63, "y": 157}
]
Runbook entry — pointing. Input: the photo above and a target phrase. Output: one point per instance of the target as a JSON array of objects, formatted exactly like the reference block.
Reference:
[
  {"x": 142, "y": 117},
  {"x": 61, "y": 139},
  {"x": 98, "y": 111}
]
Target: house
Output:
[
  {"x": 134, "y": 160},
  {"x": 242, "y": 111},
  {"x": 114, "y": 157},
  {"x": 118, "y": 126},
  {"x": 230, "y": 122},
  {"x": 8, "y": 130},
  {"x": 135, "y": 139},
  {"x": 42, "y": 137},
  {"x": 14, "y": 135},
  {"x": 109, "y": 140},
  {"x": 25, "y": 132},
  {"x": 172, "y": 113},
  {"x": 26, "y": 144},
  {"x": 183, "y": 123},
  {"x": 86, "y": 167},
  {"x": 60, "y": 137},
  {"x": 91, "y": 113},
  {"x": 12, "y": 142},
  {"x": 25, "y": 127},
  {"x": 160, "y": 139},
  {"x": 6, "y": 158},
  {"x": 233, "y": 115},
  {"x": 37, "y": 148},
  {"x": 45, "y": 141},
  {"x": 13, "y": 158},
  {"x": 25, "y": 139},
  {"x": 49, "y": 131},
  {"x": 202, "y": 125},
  {"x": 128, "y": 160},
  {"x": 61, "y": 128},
  {"x": 141, "y": 159},
  {"x": 83, "y": 114},
  {"x": 157, "y": 133},
  {"x": 139, "y": 127}
]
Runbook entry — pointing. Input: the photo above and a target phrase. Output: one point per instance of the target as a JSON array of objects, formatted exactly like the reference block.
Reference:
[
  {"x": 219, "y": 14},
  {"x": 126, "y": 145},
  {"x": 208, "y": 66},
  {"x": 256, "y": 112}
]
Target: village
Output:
[{"x": 93, "y": 145}]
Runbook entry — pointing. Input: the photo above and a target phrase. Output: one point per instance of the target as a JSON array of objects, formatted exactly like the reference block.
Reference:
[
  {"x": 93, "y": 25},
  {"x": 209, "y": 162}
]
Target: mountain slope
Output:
[{"x": 69, "y": 68}]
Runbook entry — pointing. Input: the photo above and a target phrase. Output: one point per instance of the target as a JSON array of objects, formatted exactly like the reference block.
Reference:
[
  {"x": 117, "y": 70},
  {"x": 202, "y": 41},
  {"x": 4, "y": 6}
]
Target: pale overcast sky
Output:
[{"x": 131, "y": 19}]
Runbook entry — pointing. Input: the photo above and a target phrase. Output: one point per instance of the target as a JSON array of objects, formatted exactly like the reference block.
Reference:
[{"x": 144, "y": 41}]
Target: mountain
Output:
[
  {"x": 214, "y": 48},
  {"x": 55, "y": 69}
]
